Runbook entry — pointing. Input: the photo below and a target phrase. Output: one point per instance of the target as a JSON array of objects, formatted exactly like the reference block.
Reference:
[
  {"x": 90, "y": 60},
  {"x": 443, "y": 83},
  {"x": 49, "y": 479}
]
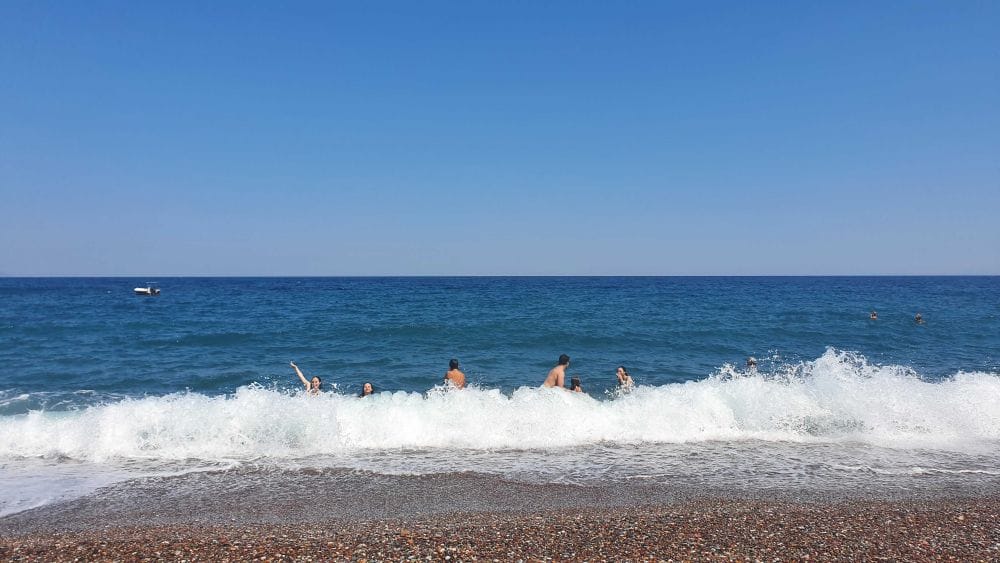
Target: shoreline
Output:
[
  {"x": 324, "y": 515},
  {"x": 694, "y": 530},
  {"x": 251, "y": 496}
]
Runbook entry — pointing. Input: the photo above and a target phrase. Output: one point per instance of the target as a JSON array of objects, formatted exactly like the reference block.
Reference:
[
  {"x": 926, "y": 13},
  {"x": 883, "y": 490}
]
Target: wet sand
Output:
[{"x": 331, "y": 516}]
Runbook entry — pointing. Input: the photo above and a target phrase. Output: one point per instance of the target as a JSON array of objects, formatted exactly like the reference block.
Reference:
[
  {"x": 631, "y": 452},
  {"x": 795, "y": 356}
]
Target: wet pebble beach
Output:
[{"x": 729, "y": 530}]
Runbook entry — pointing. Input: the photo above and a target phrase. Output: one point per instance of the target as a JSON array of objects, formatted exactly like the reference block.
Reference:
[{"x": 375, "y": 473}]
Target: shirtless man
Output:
[
  {"x": 557, "y": 375},
  {"x": 455, "y": 375}
]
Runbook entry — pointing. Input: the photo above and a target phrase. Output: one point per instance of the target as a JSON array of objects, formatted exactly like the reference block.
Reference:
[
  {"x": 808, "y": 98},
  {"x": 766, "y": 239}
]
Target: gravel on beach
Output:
[{"x": 738, "y": 530}]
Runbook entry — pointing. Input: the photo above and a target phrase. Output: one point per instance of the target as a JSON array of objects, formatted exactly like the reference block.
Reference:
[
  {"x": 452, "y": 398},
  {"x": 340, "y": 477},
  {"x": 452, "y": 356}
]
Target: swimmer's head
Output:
[
  {"x": 751, "y": 361},
  {"x": 316, "y": 382},
  {"x": 574, "y": 382},
  {"x": 453, "y": 364},
  {"x": 564, "y": 360},
  {"x": 622, "y": 371},
  {"x": 367, "y": 389}
]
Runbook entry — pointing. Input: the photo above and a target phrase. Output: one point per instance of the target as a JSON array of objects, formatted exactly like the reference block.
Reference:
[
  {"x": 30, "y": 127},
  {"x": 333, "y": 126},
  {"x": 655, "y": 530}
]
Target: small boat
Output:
[{"x": 148, "y": 290}]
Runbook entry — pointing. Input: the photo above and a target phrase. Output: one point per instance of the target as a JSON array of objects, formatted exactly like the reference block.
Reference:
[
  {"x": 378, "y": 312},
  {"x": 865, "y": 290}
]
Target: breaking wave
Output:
[{"x": 839, "y": 397}]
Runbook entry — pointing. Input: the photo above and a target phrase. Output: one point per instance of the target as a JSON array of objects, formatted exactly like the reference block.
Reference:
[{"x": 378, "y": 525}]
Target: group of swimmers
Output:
[
  {"x": 456, "y": 378},
  {"x": 314, "y": 385},
  {"x": 556, "y": 377}
]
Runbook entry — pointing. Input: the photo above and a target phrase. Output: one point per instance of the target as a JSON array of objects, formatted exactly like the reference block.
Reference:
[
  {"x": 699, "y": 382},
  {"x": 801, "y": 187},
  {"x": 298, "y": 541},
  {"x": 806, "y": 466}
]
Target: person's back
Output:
[
  {"x": 455, "y": 375},
  {"x": 557, "y": 375}
]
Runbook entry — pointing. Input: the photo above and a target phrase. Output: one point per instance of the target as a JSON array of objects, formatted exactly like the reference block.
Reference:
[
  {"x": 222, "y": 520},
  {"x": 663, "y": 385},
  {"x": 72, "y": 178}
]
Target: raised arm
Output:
[{"x": 302, "y": 378}]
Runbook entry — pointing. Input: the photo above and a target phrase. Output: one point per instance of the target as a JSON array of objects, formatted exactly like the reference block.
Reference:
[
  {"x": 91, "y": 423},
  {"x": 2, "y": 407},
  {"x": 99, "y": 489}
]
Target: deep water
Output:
[{"x": 213, "y": 335}]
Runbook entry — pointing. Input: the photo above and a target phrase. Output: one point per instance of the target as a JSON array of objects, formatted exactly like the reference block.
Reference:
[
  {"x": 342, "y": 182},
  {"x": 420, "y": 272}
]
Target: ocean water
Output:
[{"x": 99, "y": 385}]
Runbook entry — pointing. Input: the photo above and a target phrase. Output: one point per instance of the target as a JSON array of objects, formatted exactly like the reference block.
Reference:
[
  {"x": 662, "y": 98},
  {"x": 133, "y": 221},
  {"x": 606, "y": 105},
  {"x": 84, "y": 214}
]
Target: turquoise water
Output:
[{"x": 100, "y": 385}]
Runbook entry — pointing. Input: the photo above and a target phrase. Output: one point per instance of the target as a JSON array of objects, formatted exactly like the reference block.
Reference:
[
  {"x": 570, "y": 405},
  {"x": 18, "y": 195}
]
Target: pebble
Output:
[{"x": 731, "y": 530}]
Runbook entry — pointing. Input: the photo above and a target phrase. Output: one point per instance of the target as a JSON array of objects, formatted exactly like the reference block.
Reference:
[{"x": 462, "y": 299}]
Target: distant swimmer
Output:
[
  {"x": 557, "y": 375},
  {"x": 455, "y": 375},
  {"x": 919, "y": 319},
  {"x": 873, "y": 316},
  {"x": 624, "y": 379},
  {"x": 367, "y": 389},
  {"x": 751, "y": 364},
  {"x": 312, "y": 386},
  {"x": 574, "y": 385}
]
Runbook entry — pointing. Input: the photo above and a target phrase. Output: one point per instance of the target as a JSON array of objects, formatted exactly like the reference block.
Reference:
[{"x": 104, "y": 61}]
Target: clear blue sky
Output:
[{"x": 370, "y": 138}]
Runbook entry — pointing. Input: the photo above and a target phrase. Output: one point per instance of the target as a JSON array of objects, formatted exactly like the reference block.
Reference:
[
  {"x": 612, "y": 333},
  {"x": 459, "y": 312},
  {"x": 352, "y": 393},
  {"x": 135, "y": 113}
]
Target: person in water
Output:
[
  {"x": 367, "y": 389},
  {"x": 557, "y": 375},
  {"x": 919, "y": 319},
  {"x": 455, "y": 375},
  {"x": 574, "y": 385},
  {"x": 624, "y": 379},
  {"x": 751, "y": 364},
  {"x": 313, "y": 385},
  {"x": 873, "y": 316}
]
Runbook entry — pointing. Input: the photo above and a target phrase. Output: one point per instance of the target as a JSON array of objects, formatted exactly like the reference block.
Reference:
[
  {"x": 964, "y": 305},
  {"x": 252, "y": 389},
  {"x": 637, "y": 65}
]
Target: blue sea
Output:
[{"x": 100, "y": 385}]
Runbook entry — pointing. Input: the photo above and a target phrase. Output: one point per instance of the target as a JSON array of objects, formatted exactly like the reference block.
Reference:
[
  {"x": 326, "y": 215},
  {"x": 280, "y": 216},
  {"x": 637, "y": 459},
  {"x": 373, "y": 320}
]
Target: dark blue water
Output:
[
  {"x": 213, "y": 335},
  {"x": 100, "y": 385}
]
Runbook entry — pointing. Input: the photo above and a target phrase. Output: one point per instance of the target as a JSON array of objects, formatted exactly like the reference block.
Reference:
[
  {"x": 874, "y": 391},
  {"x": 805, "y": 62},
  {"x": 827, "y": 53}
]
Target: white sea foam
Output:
[
  {"x": 838, "y": 422},
  {"x": 837, "y": 398},
  {"x": 30, "y": 484}
]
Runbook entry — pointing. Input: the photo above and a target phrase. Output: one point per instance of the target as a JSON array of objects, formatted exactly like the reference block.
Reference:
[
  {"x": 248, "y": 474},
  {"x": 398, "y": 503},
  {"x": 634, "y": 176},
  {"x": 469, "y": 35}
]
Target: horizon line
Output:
[{"x": 307, "y": 276}]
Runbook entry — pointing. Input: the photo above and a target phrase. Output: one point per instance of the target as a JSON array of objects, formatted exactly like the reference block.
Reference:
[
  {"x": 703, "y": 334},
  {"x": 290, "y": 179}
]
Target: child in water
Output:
[{"x": 575, "y": 385}]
